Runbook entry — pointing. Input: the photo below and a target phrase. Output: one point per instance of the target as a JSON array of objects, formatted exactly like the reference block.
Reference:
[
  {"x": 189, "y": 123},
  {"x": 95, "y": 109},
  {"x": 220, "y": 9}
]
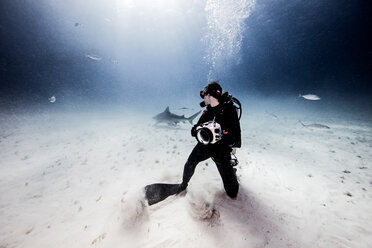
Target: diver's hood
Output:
[{"x": 226, "y": 98}]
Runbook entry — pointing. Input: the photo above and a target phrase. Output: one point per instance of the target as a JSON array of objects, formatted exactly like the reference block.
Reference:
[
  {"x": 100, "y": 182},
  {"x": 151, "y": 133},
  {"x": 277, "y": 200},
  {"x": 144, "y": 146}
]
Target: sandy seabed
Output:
[{"x": 76, "y": 180}]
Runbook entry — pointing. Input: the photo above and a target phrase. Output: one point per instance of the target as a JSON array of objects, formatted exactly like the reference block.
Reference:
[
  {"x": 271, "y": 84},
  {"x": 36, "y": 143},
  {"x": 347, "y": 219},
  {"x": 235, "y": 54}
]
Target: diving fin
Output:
[{"x": 158, "y": 192}]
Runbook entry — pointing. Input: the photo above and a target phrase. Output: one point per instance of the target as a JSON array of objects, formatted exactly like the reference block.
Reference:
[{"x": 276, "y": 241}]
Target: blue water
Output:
[{"x": 135, "y": 53}]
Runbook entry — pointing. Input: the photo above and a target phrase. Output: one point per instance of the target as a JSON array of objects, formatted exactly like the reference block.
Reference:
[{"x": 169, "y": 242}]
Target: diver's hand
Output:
[
  {"x": 193, "y": 131},
  {"x": 225, "y": 143},
  {"x": 227, "y": 140}
]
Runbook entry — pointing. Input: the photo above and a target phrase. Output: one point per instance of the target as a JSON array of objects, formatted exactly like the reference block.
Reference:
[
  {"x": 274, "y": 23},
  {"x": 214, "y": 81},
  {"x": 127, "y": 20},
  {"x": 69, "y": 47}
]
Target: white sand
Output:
[{"x": 75, "y": 180}]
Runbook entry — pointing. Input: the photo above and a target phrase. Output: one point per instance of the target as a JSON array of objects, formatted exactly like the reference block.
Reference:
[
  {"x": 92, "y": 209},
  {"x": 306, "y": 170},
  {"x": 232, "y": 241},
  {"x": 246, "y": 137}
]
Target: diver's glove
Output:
[
  {"x": 227, "y": 141},
  {"x": 193, "y": 131}
]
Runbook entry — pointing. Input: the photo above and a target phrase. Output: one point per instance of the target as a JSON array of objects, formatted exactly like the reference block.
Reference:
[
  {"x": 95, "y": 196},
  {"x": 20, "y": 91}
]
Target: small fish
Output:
[
  {"x": 52, "y": 99},
  {"x": 315, "y": 125},
  {"x": 93, "y": 57},
  {"x": 310, "y": 97}
]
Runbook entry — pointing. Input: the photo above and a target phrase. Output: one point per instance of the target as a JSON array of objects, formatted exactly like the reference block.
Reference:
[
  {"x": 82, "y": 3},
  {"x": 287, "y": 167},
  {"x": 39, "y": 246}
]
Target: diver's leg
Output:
[
  {"x": 198, "y": 154},
  {"x": 227, "y": 172}
]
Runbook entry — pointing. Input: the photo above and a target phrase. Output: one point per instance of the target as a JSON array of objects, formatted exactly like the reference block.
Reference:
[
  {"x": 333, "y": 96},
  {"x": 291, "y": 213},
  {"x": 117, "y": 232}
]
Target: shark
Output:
[{"x": 173, "y": 119}]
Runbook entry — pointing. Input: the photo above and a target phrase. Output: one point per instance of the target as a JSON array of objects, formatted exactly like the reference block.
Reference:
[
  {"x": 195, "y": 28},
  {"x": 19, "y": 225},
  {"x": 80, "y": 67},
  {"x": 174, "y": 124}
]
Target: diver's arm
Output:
[{"x": 203, "y": 118}]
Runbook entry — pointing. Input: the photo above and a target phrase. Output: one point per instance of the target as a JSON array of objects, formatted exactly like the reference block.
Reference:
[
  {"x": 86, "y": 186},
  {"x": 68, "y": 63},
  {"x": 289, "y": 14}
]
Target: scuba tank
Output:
[{"x": 227, "y": 98}]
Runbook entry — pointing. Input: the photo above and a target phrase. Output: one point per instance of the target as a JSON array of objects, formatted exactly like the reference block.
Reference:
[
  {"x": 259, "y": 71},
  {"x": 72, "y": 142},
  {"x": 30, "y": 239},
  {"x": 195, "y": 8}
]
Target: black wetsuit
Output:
[{"x": 225, "y": 114}]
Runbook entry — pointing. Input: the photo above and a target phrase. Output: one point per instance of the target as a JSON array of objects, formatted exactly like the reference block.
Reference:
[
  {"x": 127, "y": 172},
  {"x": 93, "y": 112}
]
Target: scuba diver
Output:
[{"x": 217, "y": 133}]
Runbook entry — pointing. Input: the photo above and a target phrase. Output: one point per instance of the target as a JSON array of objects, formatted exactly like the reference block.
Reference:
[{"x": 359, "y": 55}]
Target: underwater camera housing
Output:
[{"x": 208, "y": 133}]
